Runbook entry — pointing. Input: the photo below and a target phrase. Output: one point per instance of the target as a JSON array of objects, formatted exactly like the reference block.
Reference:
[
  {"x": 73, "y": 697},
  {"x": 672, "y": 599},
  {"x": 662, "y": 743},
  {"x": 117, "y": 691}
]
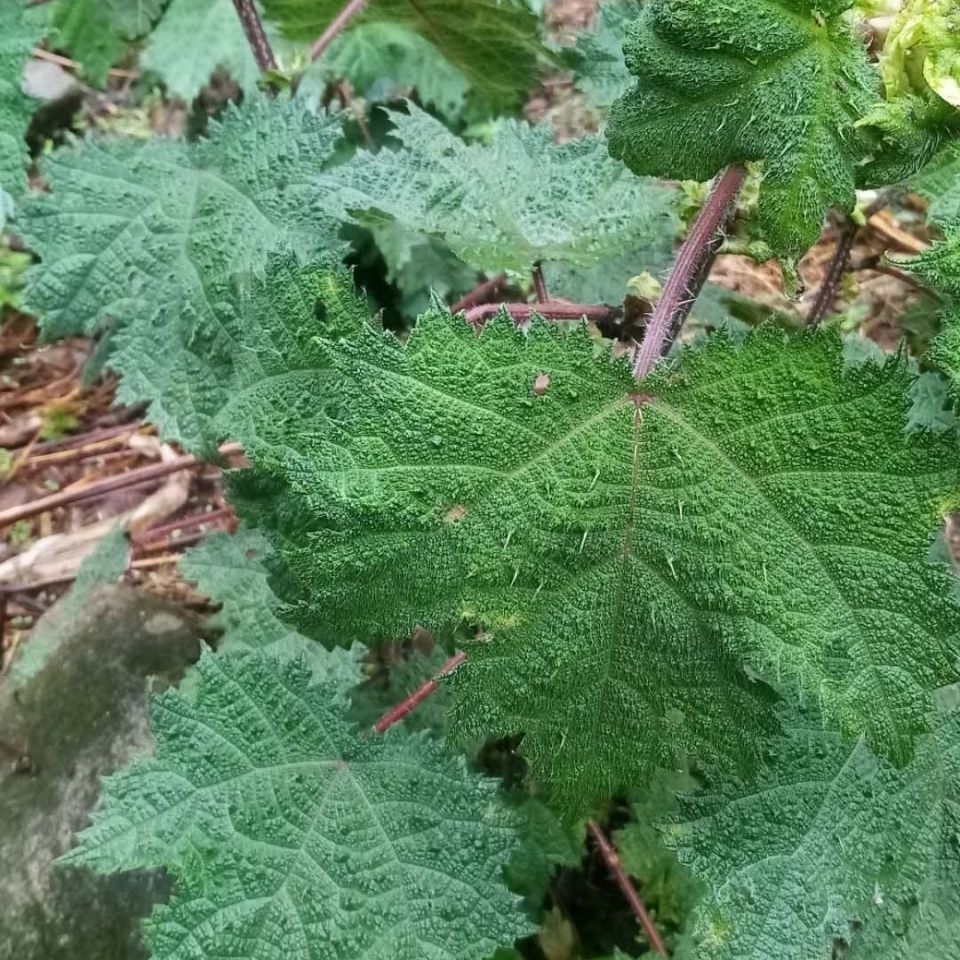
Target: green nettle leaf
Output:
[
  {"x": 96, "y": 32},
  {"x": 384, "y": 60},
  {"x": 729, "y": 81},
  {"x": 505, "y": 206},
  {"x": 19, "y": 34},
  {"x": 193, "y": 39},
  {"x": 599, "y": 69},
  {"x": 287, "y": 832},
  {"x": 142, "y": 239},
  {"x": 626, "y": 553},
  {"x": 231, "y": 570},
  {"x": 828, "y": 839},
  {"x": 494, "y": 44},
  {"x": 940, "y": 267},
  {"x": 939, "y": 182}
]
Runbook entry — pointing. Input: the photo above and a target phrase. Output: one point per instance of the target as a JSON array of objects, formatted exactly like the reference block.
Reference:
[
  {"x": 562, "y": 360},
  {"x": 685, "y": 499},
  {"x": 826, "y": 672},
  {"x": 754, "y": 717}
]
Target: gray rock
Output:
[{"x": 80, "y": 715}]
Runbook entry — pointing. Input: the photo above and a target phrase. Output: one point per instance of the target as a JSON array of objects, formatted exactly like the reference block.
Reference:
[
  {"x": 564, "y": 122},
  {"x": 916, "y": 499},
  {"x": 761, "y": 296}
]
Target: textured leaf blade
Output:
[
  {"x": 19, "y": 33},
  {"x": 193, "y": 39},
  {"x": 828, "y": 839},
  {"x": 599, "y": 68},
  {"x": 495, "y": 44},
  {"x": 761, "y": 507},
  {"x": 505, "y": 206},
  {"x": 939, "y": 182},
  {"x": 738, "y": 80},
  {"x": 287, "y": 832},
  {"x": 141, "y": 240}
]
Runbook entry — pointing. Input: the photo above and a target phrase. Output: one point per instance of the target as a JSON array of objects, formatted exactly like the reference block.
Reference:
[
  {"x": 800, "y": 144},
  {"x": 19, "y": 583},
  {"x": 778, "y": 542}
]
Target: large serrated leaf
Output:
[
  {"x": 194, "y": 38},
  {"x": 19, "y": 33},
  {"x": 628, "y": 555},
  {"x": 495, "y": 44},
  {"x": 288, "y": 833},
  {"x": 520, "y": 200},
  {"x": 729, "y": 81},
  {"x": 141, "y": 240},
  {"x": 828, "y": 839}
]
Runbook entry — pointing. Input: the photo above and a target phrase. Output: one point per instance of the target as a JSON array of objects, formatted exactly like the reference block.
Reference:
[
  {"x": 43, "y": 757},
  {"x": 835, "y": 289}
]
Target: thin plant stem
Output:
[
  {"x": 689, "y": 272},
  {"x": 256, "y": 36},
  {"x": 613, "y": 864},
  {"x": 609, "y": 855},
  {"x": 827, "y": 293},
  {"x": 540, "y": 284},
  {"x": 479, "y": 293},
  {"x": 551, "y": 310},
  {"x": 336, "y": 25},
  {"x": 411, "y": 703}
]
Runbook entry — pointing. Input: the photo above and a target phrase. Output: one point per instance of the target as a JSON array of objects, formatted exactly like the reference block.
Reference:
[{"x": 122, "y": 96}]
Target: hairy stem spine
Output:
[
  {"x": 336, "y": 25},
  {"x": 689, "y": 272},
  {"x": 256, "y": 35}
]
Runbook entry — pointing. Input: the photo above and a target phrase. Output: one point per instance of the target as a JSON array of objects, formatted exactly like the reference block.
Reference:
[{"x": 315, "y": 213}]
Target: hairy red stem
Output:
[
  {"x": 689, "y": 272},
  {"x": 551, "y": 310},
  {"x": 418, "y": 696},
  {"x": 336, "y": 25},
  {"x": 612, "y": 860},
  {"x": 480, "y": 293},
  {"x": 256, "y": 35}
]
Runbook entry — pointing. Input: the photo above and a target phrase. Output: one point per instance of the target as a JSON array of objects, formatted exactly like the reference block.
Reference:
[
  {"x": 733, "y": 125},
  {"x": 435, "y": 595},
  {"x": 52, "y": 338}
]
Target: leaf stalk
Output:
[
  {"x": 689, "y": 272},
  {"x": 256, "y": 35},
  {"x": 319, "y": 47}
]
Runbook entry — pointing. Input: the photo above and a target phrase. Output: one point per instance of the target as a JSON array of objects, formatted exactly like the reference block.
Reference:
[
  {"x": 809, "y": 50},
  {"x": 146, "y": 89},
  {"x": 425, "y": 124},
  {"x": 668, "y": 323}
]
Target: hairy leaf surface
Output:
[
  {"x": 141, "y": 239},
  {"x": 231, "y": 569},
  {"x": 627, "y": 555},
  {"x": 384, "y": 60},
  {"x": 727, "y": 81},
  {"x": 829, "y": 838},
  {"x": 495, "y": 44},
  {"x": 19, "y": 33},
  {"x": 96, "y": 32},
  {"x": 505, "y": 206},
  {"x": 287, "y": 832},
  {"x": 599, "y": 68},
  {"x": 939, "y": 182},
  {"x": 193, "y": 39}
]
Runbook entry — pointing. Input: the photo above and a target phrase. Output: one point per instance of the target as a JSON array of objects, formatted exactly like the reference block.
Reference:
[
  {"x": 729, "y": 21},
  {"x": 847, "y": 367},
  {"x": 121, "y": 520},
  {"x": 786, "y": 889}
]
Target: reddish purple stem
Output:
[
  {"x": 336, "y": 25},
  {"x": 689, "y": 272},
  {"x": 418, "y": 696},
  {"x": 480, "y": 293},
  {"x": 612, "y": 860},
  {"x": 551, "y": 310},
  {"x": 256, "y": 36}
]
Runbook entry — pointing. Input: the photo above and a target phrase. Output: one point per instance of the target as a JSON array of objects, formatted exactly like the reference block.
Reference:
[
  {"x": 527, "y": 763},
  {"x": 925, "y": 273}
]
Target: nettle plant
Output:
[{"x": 716, "y": 578}]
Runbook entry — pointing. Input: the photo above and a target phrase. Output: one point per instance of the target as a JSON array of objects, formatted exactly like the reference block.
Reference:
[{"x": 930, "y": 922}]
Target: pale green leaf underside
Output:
[
  {"x": 231, "y": 570},
  {"x": 383, "y": 60},
  {"x": 19, "y": 33},
  {"x": 762, "y": 507},
  {"x": 507, "y": 205},
  {"x": 495, "y": 44},
  {"x": 142, "y": 239},
  {"x": 193, "y": 39},
  {"x": 728, "y": 81},
  {"x": 290, "y": 835},
  {"x": 599, "y": 67},
  {"x": 828, "y": 839}
]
